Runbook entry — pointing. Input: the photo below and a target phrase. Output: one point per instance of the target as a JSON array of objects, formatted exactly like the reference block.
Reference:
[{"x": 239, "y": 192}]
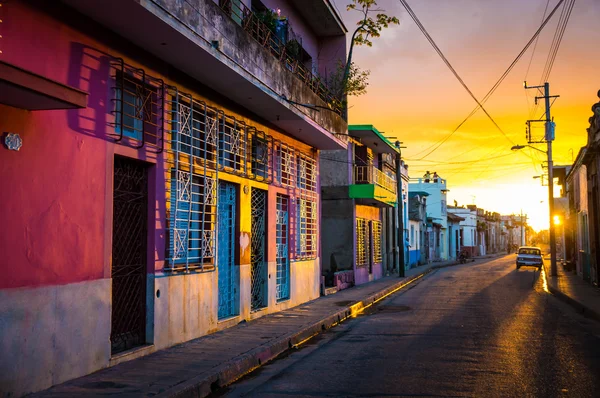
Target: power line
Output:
[
  {"x": 461, "y": 81},
  {"x": 497, "y": 84}
]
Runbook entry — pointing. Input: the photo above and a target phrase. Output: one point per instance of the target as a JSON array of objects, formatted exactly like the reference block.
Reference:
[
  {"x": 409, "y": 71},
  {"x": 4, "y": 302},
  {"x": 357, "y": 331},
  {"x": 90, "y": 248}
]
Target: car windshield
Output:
[{"x": 529, "y": 251}]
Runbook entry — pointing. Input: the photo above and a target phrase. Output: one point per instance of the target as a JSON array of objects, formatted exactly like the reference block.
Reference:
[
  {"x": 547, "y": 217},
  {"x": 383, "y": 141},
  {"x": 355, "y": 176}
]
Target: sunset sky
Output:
[{"x": 413, "y": 95}]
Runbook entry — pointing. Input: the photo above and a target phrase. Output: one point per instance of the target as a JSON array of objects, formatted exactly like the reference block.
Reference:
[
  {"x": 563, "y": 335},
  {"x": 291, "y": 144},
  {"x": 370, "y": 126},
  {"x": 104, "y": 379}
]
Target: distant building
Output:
[{"x": 436, "y": 214}]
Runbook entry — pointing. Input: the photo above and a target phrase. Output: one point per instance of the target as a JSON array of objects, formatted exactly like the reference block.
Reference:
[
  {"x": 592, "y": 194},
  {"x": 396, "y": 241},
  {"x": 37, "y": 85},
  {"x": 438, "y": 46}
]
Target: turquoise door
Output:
[{"x": 229, "y": 275}]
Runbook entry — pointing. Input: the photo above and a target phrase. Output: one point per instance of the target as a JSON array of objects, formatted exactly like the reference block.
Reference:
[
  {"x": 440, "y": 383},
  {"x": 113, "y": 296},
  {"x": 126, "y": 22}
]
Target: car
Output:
[{"x": 529, "y": 256}]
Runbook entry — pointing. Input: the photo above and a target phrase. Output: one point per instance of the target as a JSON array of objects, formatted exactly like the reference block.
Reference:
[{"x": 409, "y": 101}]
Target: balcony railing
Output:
[
  {"x": 372, "y": 175},
  {"x": 281, "y": 45}
]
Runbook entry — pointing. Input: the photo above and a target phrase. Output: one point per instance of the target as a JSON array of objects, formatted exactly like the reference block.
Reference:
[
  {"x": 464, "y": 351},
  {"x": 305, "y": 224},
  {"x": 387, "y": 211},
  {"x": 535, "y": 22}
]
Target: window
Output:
[
  {"x": 232, "y": 140},
  {"x": 306, "y": 173},
  {"x": 137, "y": 109},
  {"x": 285, "y": 165},
  {"x": 376, "y": 233},
  {"x": 194, "y": 130},
  {"x": 306, "y": 215},
  {"x": 260, "y": 155},
  {"x": 412, "y": 235},
  {"x": 443, "y": 202},
  {"x": 191, "y": 220},
  {"x": 362, "y": 242}
]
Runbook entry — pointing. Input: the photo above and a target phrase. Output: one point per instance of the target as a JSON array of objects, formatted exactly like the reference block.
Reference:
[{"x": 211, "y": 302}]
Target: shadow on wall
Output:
[{"x": 89, "y": 71}]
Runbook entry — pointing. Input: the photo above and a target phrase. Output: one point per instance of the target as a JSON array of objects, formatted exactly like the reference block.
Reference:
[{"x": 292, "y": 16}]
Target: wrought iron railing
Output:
[
  {"x": 281, "y": 45},
  {"x": 372, "y": 175}
]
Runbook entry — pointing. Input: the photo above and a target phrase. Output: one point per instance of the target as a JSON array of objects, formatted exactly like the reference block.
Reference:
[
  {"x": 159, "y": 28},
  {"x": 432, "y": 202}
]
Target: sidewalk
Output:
[
  {"x": 198, "y": 367},
  {"x": 574, "y": 290}
]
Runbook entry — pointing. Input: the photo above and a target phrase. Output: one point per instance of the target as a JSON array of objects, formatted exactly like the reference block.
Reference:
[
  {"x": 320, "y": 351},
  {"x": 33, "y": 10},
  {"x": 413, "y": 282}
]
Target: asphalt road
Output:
[{"x": 481, "y": 329}]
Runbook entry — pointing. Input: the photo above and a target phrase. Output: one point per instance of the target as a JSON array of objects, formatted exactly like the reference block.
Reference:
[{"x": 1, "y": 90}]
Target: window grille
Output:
[
  {"x": 139, "y": 102},
  {"x": 376, "y": 234},
  {"x": 261, "y": 146},
  {"x": 232, "y": 145},
  {"x": 193, "y": 131},
  {"x": 285, "y": 165},
  {"x": 306, "y": 222},
  {"x": 191, "y": 182},
  {"x": 192, "y": 217},
  {"x": 307, "y": 173},
  {"x": 362, "y": 242}
]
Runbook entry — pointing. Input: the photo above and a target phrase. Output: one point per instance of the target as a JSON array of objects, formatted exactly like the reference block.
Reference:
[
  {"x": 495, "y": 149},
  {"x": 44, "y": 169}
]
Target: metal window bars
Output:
[
  {"x": 260, "y": 147},
  {"x": 306, "y": 219},
  {"x": 372, "y": 175},
  {"x": 284, "y": 165},
  {"x": 307, "y": 173},
  {"x": 376, "y": 235},
  {"x": 283, "y": 44},
  {"x": 362, "y": 242},
  {"x": 192, "y": 176},
  {"x": 232, "y": 145},
  {"x": 138, "y": 106}
]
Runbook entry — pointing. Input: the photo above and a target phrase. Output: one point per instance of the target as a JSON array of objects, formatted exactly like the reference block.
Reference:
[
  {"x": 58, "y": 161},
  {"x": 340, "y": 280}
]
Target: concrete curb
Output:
[
  {"x": 240, "y": 366},
  {"x": 579, "y": 307}
]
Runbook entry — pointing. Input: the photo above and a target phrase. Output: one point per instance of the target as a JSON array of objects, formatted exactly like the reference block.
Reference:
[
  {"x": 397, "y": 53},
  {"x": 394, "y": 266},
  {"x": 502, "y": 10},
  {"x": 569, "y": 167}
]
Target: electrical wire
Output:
[
  {"x": 441, "y": 54},
  {"x": 496, "y": 85}
]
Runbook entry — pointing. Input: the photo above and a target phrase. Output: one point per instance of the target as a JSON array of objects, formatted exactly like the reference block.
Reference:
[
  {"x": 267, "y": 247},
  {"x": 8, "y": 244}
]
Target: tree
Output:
[
  {"x": 356, "y": 83},
  {"x": 367, "y": 28}
]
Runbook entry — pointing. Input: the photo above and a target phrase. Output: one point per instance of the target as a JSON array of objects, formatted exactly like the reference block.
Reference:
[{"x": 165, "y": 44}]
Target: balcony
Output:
[
  {"x": 373, "y": 187},
  {"x": 230, "y": 51}
]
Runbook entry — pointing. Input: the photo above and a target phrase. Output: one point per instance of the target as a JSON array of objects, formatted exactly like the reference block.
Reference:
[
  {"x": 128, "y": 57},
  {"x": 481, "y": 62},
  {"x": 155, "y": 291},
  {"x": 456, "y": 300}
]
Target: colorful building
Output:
[
  {"x": 436, "y": 214},
  {"x": 417, "y": 215},
  {"x": 356, "y": 184},
  {"x": 160, "y": 174}
]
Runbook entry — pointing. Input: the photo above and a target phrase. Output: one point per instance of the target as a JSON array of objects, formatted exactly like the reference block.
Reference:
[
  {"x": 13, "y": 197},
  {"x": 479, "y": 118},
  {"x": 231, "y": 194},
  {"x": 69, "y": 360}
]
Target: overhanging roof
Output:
[
  {"x": 22, "y": 89},
  {"x": 372, "y": 138},
  {"x": 321, "y": 16},
  {"x": 454, "y": 217}
]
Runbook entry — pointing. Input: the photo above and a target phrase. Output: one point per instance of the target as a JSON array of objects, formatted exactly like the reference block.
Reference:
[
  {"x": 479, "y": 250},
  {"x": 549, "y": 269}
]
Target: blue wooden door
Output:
[
  {"x": 282, "y": 290},
  {"x": 229, "y": 275}
]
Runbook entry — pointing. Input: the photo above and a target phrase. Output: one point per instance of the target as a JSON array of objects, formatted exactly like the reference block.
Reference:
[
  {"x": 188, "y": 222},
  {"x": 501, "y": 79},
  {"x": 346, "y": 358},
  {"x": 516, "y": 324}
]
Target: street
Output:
[{"x": 480, "y": 329}]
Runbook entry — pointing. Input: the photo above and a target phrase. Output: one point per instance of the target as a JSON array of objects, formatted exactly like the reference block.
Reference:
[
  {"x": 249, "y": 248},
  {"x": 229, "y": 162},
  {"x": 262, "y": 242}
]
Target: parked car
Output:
[{"x": 529, "y": 256}]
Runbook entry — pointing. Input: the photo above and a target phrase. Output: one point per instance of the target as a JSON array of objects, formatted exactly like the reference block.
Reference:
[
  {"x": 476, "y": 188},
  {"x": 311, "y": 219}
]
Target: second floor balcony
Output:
[
  {"x": 227, "y": 47},
  {"x": 373, "y": 187}
]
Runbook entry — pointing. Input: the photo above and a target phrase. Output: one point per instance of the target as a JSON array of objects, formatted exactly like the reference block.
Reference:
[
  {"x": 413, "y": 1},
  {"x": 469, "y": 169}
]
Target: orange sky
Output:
[{"x": 414, "y": 96}]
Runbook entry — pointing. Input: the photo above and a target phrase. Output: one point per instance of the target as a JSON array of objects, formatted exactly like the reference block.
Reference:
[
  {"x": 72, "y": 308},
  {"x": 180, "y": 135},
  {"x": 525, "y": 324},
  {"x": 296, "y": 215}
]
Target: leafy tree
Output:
[
  {"x": 356, "y": 83},
  {"x": 367, "y": 28}
]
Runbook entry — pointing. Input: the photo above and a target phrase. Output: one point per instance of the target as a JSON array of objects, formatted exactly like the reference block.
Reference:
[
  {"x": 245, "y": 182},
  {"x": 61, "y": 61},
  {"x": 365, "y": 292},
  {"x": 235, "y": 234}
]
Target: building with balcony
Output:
[
  {"x": 436, "y": 191},
  {"x": 160, "y": 173},
  {"x": 356, "y": 185}
]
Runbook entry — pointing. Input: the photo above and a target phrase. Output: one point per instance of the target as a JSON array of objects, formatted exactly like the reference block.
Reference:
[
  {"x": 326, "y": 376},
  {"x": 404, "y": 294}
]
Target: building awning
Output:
[
  {"x": 455, "y": 218},
  {"x": 22, "y": 89},
  {"x": 372, "y": 138}
]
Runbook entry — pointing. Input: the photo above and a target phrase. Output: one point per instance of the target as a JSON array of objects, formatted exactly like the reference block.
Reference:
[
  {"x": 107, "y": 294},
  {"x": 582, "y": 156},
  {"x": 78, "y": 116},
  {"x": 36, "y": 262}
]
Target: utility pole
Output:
[
  {"x": 548, "y": 138},
  {"x": 400, "y": 200}
]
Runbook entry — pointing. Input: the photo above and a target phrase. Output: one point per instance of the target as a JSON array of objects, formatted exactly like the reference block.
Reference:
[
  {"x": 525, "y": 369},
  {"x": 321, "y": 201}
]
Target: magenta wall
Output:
[{"x": 56, "y": 196}]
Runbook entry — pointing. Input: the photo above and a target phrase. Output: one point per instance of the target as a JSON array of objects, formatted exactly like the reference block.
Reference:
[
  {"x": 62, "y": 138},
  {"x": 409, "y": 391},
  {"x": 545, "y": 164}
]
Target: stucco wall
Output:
[{"x": 52, "y": 334}]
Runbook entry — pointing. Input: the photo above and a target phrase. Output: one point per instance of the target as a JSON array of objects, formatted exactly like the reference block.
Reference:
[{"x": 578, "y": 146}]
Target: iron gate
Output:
[
  {"x": 128, "y": 322},
  {"x": 282, "y": 289},
  {"x": 258, "y": 265},
  {"x": 228, "y": 271}
]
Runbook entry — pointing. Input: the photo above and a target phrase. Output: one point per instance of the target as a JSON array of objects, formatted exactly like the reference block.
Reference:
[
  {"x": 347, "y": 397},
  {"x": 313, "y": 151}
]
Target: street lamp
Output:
[{"x": 552, "y": 231}]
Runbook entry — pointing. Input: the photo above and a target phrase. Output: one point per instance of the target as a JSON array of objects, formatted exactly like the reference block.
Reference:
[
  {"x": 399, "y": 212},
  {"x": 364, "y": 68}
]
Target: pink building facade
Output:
[{"x": 158, "y": 184}]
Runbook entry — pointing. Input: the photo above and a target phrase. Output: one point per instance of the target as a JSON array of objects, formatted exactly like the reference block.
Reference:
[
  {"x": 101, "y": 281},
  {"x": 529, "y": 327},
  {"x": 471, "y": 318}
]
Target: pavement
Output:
[
  {"x": 201, "y": 366},
  {"x": 572, "y": 289}
]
